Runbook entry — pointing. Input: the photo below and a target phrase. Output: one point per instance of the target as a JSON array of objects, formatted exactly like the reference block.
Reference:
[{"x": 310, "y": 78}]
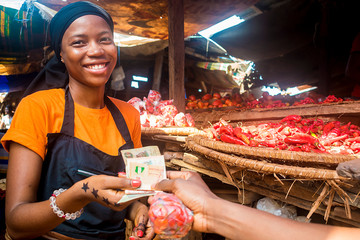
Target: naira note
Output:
[
  {"x": 150, "y": 170},
  {"x": 140, "y": 152}
]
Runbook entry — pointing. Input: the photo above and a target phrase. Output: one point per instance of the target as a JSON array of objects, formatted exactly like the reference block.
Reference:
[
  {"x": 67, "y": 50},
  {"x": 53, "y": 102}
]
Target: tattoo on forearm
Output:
[
  {"x": 95, "y": 193},
  {"x": 105, "y": 200},
  {"x": 85, "y": 186}
]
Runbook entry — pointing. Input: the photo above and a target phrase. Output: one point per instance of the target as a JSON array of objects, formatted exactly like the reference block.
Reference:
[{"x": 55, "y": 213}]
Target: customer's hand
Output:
[
  {"x": 349, "y": 169},
  {"x": 194, "y": 193}
]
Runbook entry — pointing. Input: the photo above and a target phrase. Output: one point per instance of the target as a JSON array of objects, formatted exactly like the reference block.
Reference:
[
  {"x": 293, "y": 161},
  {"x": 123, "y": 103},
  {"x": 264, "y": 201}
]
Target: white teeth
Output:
[{"x": 99, "y": 66}]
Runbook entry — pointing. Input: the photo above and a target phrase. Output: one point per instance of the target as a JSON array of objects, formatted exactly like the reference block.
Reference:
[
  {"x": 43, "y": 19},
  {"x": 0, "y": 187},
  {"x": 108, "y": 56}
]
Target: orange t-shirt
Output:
[{"x": 43, "y": 112}]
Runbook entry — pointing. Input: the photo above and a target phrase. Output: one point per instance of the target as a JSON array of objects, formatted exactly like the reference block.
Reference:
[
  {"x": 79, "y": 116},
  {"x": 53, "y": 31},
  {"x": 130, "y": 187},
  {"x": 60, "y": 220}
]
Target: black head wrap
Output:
[{"x": 54, "y": 74}]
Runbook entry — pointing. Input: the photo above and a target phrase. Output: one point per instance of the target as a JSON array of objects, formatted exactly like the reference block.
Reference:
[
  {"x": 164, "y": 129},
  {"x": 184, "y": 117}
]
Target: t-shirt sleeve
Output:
[{"x": 28, "y": 126}]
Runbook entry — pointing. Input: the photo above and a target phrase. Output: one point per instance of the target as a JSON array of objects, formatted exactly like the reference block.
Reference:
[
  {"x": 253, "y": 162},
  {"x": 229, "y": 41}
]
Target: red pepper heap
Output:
[{"x": 292, "y": 133}]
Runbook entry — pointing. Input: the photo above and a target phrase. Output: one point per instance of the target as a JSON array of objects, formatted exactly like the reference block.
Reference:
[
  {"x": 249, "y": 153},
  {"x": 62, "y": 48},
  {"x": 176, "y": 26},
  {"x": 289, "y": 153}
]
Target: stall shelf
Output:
[{"x": 344, "y": 111}]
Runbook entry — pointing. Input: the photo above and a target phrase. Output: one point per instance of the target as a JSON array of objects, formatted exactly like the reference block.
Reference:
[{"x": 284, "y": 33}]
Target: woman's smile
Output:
[{"x": 98, "y": 68}]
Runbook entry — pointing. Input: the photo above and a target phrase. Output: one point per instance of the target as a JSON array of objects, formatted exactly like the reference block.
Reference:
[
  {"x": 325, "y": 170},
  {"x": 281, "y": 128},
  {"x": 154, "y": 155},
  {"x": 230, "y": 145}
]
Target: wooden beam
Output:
[
  {"x": 157, "y": 70},
  {"x": 176, "y": 53}
]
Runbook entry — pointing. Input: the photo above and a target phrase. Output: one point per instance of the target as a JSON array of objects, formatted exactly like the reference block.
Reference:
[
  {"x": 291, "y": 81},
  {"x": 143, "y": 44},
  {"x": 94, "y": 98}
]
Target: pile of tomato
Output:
[
  {"x": 213, "y": 101},
  {"x": 248, "y": 101}
]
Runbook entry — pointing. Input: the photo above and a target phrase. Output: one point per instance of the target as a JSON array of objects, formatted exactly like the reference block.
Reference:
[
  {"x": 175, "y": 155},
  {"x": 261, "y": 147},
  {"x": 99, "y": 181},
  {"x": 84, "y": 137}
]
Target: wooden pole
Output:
[
  {"x": 157, "y": 70},
  {"x": 324, "y": 71},
  {"x": 176, "y": 53}
]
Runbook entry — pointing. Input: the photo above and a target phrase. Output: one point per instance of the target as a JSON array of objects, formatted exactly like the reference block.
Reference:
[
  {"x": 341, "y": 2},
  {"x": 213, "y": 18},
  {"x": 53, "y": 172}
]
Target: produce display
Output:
[
  {"x": 292, "y": 133},
  {"x": 213, "y": 101},
  {"x": 169, "y": 216},
  {"x": 157, "y": 113},
  {"x": 249, "y": 101}
]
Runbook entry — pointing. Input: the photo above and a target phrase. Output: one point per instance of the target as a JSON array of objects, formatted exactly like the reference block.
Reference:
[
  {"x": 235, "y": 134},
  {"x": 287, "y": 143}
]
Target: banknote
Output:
[
  {"x": 146, "y": 164},
  {"x": 149, "y": 170},
  {"x": 130, "y": 197},
  {"x": 140, "y": 152}
]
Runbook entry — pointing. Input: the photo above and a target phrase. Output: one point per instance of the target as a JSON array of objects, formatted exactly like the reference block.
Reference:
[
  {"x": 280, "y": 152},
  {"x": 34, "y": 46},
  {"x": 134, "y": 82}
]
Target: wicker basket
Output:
[
  {"x": 263, "y": 166},
  {"x": 273, "y": 155},
  {"x": 175, "y": 131}
]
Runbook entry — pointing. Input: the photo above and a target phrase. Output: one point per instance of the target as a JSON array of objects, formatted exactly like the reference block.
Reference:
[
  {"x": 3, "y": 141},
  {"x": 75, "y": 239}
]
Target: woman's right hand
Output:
[
  {"x": 107, "y": 190},
  {"x": 193, "y": 192}
]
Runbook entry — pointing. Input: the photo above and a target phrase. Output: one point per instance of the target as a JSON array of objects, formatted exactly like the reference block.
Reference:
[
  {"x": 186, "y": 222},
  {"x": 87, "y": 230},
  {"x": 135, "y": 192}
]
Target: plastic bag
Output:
[
  {"x": 169, "y": 217},
  {"x": 180, "y": 120},
  {"x": 189, "y": 120},
  {"x": 277, "y": 208},
  {"x": 154, "y": 97}
]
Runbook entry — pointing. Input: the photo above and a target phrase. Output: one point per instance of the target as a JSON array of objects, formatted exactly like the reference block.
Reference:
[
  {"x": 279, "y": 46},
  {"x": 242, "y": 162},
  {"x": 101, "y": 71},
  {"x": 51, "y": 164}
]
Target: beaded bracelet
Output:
[{"x": 60, "y": 213}]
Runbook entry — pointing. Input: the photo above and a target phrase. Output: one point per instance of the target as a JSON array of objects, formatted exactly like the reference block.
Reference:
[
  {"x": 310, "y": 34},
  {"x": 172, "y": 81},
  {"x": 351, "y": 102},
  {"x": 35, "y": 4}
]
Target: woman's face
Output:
[{"x": 88, "y": 51}]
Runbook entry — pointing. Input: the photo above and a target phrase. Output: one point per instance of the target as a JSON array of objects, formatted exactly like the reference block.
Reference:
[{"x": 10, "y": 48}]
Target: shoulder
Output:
[
  {"x": 124, "y": 107},
  {"x": 45, "y": 97}
]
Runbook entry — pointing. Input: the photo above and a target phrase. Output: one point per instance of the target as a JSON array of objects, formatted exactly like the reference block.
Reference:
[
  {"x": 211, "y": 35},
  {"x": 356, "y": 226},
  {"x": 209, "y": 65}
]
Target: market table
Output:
[{"x": 319, "y": 191}]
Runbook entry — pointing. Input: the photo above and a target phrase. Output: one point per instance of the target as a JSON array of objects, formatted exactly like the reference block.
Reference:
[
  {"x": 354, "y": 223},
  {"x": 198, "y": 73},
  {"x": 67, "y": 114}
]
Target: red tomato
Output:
[
  {"x": 206, "y": 97},
  {"x": 192, "y": 97},
  {"x": 216, "y": 95},
  {"x": 191, "y": 104},
  {"x": 200, "y": 104},
  {"x": 217, "y": 103}
]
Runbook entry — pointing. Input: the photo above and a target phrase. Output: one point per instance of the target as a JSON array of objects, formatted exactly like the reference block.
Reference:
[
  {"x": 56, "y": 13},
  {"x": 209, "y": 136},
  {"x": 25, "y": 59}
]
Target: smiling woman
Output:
[
  {"x": 89, "y": 53},
  {"x": 66, "y": 123}
]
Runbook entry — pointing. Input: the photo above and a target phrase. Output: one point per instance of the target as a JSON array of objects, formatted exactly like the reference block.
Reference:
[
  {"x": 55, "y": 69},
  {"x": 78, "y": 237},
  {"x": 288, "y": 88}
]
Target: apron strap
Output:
[
  {"x": 120, "y": 123},
  {"x": 68, "y": 123}
]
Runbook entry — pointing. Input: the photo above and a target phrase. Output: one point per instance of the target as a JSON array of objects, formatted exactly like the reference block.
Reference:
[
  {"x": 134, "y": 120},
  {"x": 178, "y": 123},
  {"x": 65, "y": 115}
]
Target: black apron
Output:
[{"x": 66, "y": 154}]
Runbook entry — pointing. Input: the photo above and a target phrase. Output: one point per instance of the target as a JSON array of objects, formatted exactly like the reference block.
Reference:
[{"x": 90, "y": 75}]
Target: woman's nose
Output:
[{"x": 95, "y": 49}]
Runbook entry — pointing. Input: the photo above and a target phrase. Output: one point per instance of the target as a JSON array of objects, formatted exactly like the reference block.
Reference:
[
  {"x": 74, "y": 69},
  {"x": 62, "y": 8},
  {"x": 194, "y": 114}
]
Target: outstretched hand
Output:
[
  {"x": 350, "y": 169},
  {"x": 193, "y": 192}
]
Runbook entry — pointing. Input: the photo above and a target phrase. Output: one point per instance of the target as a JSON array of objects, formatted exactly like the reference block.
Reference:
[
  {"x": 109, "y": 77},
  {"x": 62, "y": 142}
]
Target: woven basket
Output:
[
  {"x": 262, "y": 166},
  {"x": 176, "y": 131},
  {"x": 273, "y": 155}
]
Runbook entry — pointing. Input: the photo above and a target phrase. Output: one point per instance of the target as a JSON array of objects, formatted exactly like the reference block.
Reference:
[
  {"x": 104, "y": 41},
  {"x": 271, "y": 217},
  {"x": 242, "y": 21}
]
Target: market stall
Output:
[
  {"x": 296, "y": 164},
  {"x": 297, "y": 167}
]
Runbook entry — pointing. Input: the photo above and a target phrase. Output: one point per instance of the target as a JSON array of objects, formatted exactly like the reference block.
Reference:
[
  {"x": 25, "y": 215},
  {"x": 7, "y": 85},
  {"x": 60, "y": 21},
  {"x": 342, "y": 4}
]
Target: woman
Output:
[
  {"x": 6, "y": 119},
  {"x": 59, "y": 134}
]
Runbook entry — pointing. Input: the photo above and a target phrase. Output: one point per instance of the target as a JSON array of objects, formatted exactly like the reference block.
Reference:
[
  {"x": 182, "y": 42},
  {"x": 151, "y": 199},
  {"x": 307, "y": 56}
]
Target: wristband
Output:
[{"x": 58, "y": 211}]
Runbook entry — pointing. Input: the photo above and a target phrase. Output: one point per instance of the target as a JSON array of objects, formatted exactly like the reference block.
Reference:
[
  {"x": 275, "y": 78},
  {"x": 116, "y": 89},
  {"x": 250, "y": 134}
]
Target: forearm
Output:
[
  {"x": 236, "y": 221},
  {"x": 30, "y": 220}
]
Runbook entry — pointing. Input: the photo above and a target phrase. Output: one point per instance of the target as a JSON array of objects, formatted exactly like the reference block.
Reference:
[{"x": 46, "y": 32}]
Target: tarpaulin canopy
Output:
[{"x": 21, "y": 30}]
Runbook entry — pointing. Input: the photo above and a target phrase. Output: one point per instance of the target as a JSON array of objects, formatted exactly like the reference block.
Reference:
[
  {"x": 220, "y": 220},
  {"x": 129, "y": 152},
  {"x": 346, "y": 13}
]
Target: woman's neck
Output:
[{"x": 89, "y": 97}]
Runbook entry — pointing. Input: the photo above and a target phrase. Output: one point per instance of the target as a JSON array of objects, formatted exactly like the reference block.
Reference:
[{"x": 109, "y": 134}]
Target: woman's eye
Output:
[
  {"x": 78, "y": 43},
  {"x": 106, "y": 40}
]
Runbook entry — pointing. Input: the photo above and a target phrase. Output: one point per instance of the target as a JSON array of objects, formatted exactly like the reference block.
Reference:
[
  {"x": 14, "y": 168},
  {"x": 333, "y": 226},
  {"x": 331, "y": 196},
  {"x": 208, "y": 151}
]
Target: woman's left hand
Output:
[{"x": 139, "y": 216}]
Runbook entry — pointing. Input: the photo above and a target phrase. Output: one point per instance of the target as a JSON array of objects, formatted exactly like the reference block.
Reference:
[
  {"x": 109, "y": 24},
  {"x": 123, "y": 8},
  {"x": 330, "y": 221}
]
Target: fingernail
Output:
[
  {"x": 140, "y": 233},
  {"x": 132, "y": 238},
  {"x": 120, "y": 174},
  {"x": 135, "y": 183}
]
